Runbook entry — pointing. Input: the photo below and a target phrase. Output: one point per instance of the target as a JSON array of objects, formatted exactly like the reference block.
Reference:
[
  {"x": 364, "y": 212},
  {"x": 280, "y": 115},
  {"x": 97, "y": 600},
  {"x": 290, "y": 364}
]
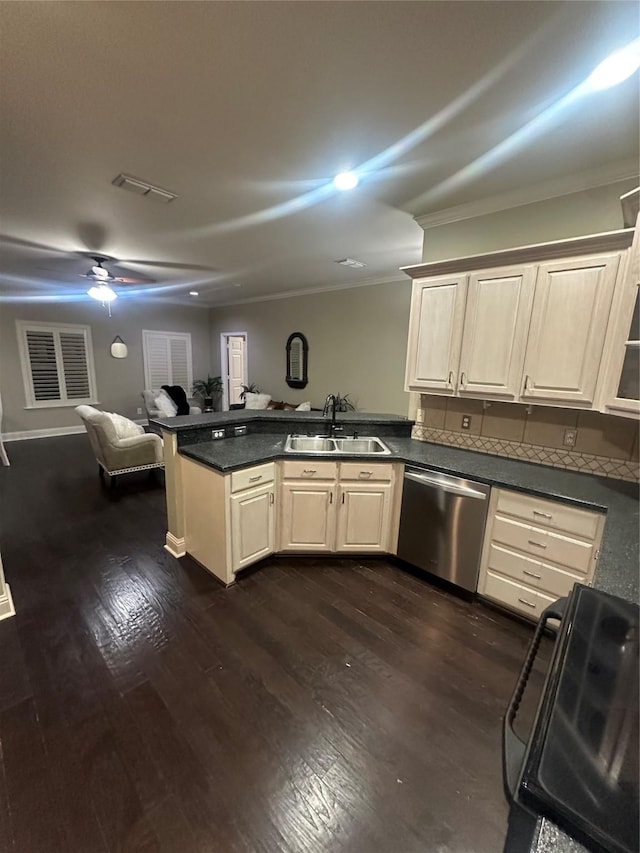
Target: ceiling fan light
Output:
[
  {"x": 99, "y": 272},
  {"x": 102, "y": 293}
]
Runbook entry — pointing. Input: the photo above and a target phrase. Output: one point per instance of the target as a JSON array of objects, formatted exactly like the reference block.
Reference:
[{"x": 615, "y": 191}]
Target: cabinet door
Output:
[
  {"x": 435, "y": 333},
  {"x": 496, "y": 322},
  {"x": 308, "y": 517},
  {"x": 364, "y": 517},
  {"x": 571, "y": 309},
  {"x": 252, "y": 526}
]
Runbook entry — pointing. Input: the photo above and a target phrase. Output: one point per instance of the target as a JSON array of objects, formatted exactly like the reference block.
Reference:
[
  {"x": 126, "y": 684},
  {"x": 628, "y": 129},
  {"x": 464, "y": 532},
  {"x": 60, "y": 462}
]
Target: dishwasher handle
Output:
[{"x": 444, "y": 484}]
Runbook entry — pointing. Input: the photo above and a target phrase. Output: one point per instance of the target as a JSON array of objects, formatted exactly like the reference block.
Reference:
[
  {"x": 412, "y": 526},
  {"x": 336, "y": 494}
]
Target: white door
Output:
[
  {"x": 496, "y": 322},
  {"x": 571, "y": 309},
  {"x": 252, "y": 526},
  {"x": 234, "y": 357},
  {"x": 435, "y": 333},
  {"x": 364, "y": 517}
]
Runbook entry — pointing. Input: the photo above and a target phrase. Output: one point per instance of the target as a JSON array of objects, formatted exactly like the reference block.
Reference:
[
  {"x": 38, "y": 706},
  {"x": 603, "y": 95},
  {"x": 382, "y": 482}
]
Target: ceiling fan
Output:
[{"x": 102, "y": 278}]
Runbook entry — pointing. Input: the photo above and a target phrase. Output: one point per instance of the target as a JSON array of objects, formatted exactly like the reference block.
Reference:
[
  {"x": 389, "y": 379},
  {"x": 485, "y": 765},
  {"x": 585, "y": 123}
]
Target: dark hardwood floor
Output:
[{"x": 318, "y": 705}]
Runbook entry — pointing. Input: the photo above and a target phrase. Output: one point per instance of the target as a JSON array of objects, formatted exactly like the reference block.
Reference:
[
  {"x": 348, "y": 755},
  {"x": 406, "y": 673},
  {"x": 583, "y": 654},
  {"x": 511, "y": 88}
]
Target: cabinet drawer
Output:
[
  {"x": 549, "y": 513},
  {"x": 534, "y": 573},
  {"x": 543, "y": 544},
  {"x": 309, "y": 469},
  {"x": 521, "y": 598},
  {"x": 250, "y": 477},
  {"x": 366, "y": 472}
]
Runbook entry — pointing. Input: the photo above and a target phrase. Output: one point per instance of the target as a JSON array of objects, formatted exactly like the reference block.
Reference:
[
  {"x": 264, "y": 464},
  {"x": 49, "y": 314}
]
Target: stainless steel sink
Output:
[
  {"x": 310, "y": 444},
  {"x": 320, "y": 445},
  {"x": 369, "y": 444}
]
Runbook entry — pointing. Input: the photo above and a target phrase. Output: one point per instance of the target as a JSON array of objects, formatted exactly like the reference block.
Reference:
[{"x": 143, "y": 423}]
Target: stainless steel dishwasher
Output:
[{"x": 442, "y": 525}]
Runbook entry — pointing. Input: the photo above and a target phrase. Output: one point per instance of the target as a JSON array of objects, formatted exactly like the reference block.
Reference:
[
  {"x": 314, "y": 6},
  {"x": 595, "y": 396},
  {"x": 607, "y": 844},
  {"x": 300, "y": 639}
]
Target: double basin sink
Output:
[{"x": 322, "y": 445}]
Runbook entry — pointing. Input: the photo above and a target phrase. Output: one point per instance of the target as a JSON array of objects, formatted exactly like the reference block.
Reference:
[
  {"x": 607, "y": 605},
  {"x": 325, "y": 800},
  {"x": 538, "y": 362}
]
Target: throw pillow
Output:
[
  {"x": 124, "y": 427},
  {"x": 256, "y": 401},
  {"x": 165, "y": 405},
  {"x": 304, "y": 407}
]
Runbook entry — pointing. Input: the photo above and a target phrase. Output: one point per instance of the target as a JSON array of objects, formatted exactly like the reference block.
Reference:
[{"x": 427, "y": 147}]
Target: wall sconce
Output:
[{"x": 119, "y": 348}]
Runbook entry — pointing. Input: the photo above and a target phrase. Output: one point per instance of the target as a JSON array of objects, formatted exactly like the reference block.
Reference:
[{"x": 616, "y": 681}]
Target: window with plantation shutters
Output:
[
  {"x": 167, "y": 359},
  {"x": 57, "y": 364}
]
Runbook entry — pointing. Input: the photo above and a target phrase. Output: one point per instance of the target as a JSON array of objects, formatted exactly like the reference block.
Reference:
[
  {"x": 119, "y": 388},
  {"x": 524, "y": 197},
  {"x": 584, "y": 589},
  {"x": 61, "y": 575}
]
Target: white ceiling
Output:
[{"x": 243, "y": 109}]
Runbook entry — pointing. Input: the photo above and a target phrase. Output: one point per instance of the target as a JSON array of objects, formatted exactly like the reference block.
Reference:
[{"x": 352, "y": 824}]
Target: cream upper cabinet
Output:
[
  {"x": 364, "y": 517},
  {"x": 569, "y": 319},
  {"x": 494, "y": 336},
  {"x": 435, "y": 333},
  {"x": 252, "y": 526},
  {"x": 620, "y": 375}
]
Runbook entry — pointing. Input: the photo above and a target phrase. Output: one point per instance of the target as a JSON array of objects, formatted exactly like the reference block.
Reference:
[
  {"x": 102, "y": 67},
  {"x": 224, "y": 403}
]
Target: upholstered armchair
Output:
[{"x": 137, "y": 451}]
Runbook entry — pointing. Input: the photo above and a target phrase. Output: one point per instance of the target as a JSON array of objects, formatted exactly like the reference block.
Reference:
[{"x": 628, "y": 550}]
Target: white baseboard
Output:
[
  {"x": 6, "y": 604},
  {"x": 50, "y": 432},
  {"x": 176, "y": 547}
]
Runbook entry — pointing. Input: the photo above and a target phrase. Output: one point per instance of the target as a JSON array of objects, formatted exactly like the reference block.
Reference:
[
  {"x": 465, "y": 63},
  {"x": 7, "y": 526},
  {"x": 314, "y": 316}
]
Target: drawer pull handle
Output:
[
  {"x": 450, "y": 378},
  {"x": 528, "y": 603},
  {"x": 271, "y": 498},
  {"x": 330, "y": 497},
  {"x": 542, "y": 514},
  {"x": 537, "y": 544},
  {"x": 531, "y": 574},
  {"x": 309, "y": 470},
  {"x": 253, "y": 479},
  {"x": 365, "y": 473},
  {"x": 463, "y": 379}
]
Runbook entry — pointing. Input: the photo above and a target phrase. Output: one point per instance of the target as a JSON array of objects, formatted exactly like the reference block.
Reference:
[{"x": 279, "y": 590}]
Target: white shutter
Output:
[
  {"x": 179, "y": 363},
  {"x": 57, "y": 364},
  {"x": 167, "y": 359},
  {"x": 74, "y": 365},
  {"x": 43, "y": 365}
]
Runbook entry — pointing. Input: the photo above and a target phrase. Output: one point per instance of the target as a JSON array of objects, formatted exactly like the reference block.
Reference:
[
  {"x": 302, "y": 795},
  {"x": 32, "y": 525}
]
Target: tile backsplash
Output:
[{"x": 604, "y": 444}]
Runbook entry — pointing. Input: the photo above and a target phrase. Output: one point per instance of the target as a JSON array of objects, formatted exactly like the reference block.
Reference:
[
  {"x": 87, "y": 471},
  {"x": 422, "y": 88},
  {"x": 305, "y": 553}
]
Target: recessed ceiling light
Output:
[
  {"x": 351, "y": 262},
  {"x": 617, "y": 67},
  {"x": 237, "y": 284},
  {"x": 346, "y": 180},
  {"x": 193, "y": 293}
]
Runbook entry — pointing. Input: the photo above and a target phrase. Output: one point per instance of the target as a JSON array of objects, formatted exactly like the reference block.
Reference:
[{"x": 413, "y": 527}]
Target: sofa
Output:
[{"x": 149, "y": 398}]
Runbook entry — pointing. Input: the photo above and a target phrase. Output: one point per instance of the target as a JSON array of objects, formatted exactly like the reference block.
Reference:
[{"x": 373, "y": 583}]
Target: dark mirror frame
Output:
[{"x": 294, "y": 381}]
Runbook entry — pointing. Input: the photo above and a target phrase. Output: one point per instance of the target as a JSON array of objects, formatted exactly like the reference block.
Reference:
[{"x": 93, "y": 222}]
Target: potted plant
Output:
[
  {"x": 249, "y": 389},
  {"x": 207, "y": 389},
  {"x": 344, "y": 404}
]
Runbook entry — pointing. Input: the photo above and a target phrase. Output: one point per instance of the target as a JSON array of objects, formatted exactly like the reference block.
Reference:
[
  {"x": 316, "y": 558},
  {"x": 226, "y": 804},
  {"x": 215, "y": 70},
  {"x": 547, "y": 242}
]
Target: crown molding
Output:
[
  {"x": 609, "y": 241},
  {"x": 610, "y": 174},
  {"x": 392, "y": 278}
]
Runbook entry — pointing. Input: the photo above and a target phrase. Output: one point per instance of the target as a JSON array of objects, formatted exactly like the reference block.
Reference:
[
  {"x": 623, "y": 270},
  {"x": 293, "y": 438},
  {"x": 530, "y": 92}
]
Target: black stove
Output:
[{"x": 580, "y": 766}]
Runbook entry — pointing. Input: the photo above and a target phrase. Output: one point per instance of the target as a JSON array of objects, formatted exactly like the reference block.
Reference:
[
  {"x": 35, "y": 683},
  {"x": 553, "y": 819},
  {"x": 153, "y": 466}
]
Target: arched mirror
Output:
[{"x": 297, "y": 356}]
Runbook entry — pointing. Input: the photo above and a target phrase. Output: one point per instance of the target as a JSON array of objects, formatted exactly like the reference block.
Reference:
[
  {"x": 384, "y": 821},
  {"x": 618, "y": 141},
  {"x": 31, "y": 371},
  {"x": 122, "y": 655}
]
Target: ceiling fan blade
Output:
[{"x": 169, "y": 265}]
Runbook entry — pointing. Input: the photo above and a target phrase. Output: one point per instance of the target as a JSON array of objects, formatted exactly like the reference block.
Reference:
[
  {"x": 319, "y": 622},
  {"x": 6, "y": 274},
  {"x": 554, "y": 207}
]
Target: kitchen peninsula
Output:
[{"x": 188, "y": 443}]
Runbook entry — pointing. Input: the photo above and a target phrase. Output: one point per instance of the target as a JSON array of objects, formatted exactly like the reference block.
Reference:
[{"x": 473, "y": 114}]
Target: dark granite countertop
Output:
[
  {"x": 617, "y": 570},
  {"x": 241, "y": 416}
]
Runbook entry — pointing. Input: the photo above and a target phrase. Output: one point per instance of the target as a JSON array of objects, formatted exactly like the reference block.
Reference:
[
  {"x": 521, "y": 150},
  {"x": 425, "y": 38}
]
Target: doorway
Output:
[{"x": 233, "y": 365}]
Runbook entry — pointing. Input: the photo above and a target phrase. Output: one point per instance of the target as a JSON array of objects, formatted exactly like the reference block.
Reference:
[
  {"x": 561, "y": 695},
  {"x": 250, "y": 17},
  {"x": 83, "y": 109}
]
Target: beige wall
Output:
[
  {"x": 574, "y": 215},
  {"x": 119, "y": 381},
  {"x": 357, "y": 344}
]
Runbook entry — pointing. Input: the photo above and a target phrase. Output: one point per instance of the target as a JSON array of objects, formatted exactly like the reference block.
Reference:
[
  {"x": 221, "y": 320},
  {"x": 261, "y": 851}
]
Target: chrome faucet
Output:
[{"x": 331, "y": 401}]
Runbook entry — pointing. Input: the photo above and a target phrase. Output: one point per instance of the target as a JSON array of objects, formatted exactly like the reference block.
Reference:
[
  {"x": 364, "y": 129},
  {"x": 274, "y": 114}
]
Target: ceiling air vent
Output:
[
  {"x": 350, "y": 262},
  {"x": 138, "y": 187}
]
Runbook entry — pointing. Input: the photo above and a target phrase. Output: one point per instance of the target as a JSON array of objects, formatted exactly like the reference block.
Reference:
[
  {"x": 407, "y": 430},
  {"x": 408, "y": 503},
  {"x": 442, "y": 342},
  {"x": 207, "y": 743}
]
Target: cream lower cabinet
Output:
[
  {"x": 252, "y": 526},
  {"x": 229, "y": 518},
  {"x": 338, "y": 507},
  {"x": 535, "y": 550}
]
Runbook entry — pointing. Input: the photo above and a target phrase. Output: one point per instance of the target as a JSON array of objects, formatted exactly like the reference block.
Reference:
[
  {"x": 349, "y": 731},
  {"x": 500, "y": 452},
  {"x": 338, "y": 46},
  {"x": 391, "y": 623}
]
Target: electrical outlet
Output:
[
  {"x": 216, "y": 434},
  {"x": 240, "y": 430},
  {"x": 466, "y": 421},
  {"x": 570, "y": 436},
  {"x": 138, "y": 411}
]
